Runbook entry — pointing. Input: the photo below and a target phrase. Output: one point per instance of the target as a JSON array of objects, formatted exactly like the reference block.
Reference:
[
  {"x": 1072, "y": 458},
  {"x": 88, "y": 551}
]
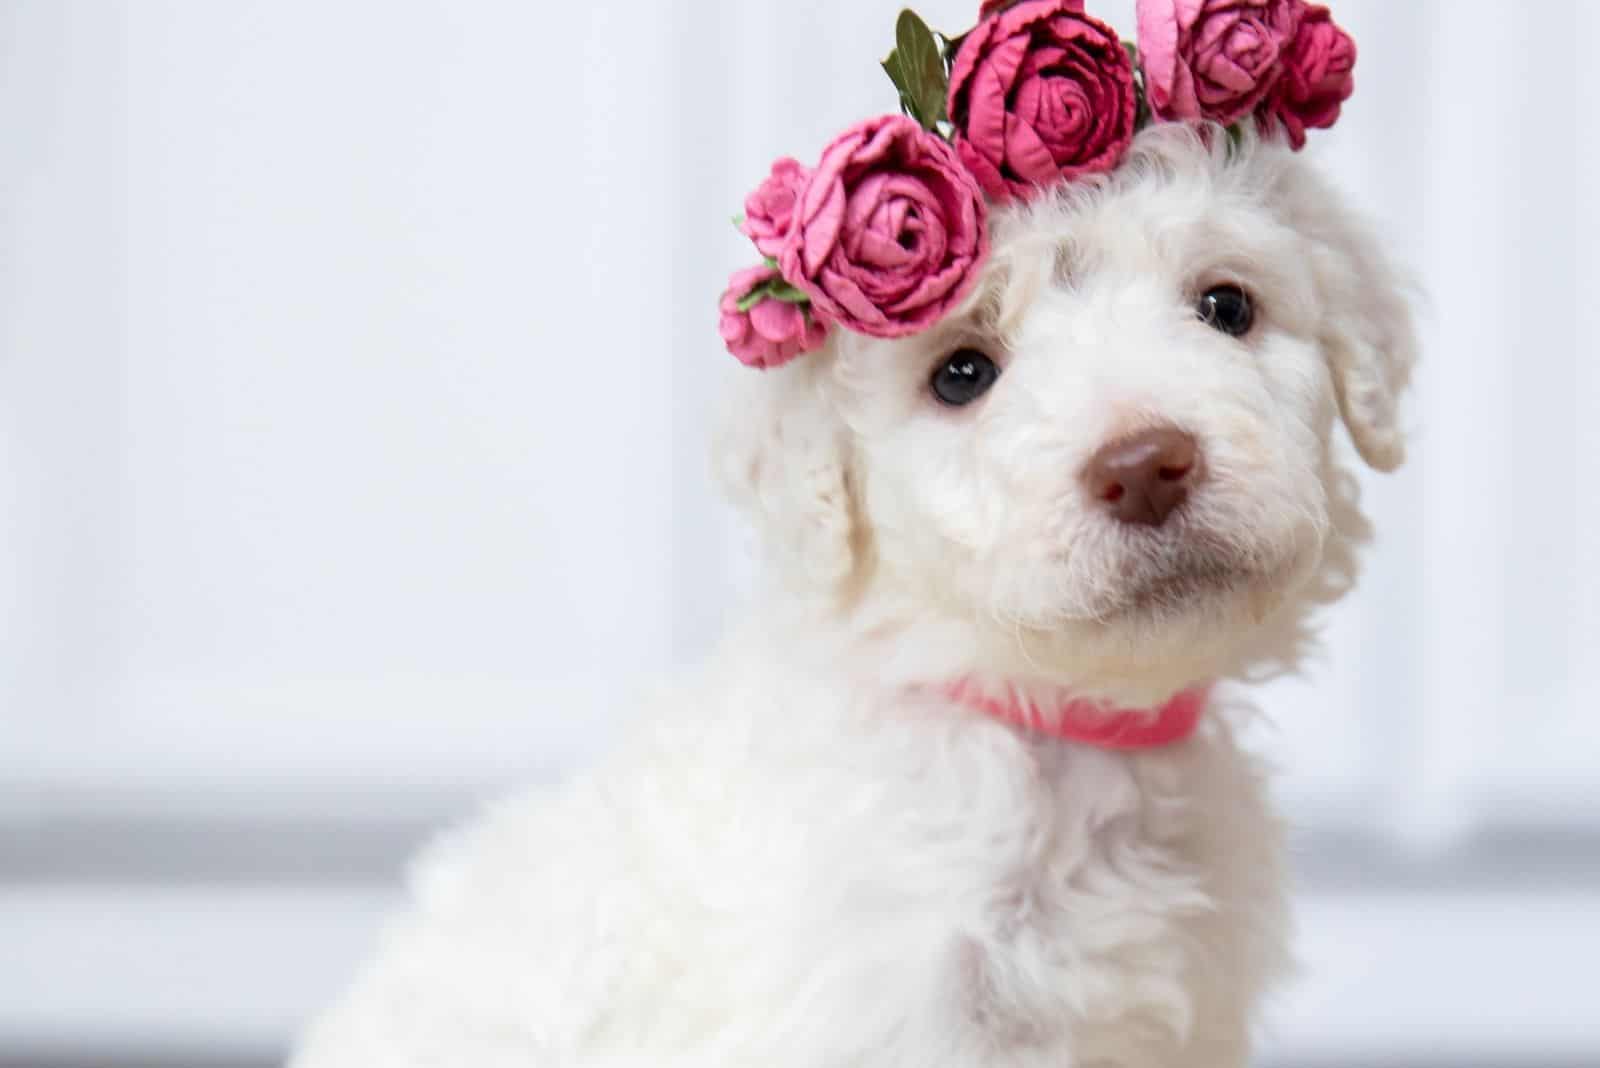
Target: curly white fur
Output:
[{"x": 804, "y": 856}]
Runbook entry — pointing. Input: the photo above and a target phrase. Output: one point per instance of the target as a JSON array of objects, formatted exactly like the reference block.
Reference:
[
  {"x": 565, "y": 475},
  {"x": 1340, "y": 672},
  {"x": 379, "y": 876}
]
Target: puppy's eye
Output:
[
  {"x": 1229, "y": 309},
  {"x": 964, "y": 377}
]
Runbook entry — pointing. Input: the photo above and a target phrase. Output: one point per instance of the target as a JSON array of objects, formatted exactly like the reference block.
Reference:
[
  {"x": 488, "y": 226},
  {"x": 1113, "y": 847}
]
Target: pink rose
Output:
[
  {"x": 1041, "y": 93},
  {"x": 890, "y": 231},
  {"x": 771, "y": 332},
  {"x": 770, "y": 209},
  {"x": 1213, "y": 59},
  {"x": 1317, "y": 77}
]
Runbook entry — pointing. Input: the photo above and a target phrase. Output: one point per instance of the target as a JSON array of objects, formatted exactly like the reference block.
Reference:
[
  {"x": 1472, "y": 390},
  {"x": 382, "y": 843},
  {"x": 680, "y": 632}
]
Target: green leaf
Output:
[
  {"x": 787, "y": 293},
  {"x": 773, "y": 289},
  {"x": 770, "y": 262},
  {"x": 952, "y": 48},
  {"x": 949, "y": 46},
  {"x": 752, "y": 298},
  {"x": 921, "y": 67},
  {"x": 891, "y": 67},
  {"x": 1141, "y": 112},
  {"x": 1236, "y": 137}
]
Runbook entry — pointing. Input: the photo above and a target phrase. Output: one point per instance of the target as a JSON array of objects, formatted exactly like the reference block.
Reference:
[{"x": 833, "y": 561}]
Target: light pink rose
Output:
[
  {"x": 1213, "y": 59},
  {"x": 890, "y": 231},
  {"x": 769, "y": 211},
  {"x": 1041, "y": 93},
  {"x": 772, "y": 332},
  {"x": 1318, "y": 77}
]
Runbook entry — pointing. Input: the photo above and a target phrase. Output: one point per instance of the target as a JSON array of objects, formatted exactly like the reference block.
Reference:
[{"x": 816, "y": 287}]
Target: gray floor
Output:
[
  {"x": 175, "y": 1059},
  {"x": 317, "y": 854}
]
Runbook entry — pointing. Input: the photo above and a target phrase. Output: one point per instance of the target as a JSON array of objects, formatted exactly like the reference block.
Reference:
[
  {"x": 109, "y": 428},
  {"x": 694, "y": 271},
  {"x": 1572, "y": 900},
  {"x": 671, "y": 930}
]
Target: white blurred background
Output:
[{"x": 355, "y": 360}]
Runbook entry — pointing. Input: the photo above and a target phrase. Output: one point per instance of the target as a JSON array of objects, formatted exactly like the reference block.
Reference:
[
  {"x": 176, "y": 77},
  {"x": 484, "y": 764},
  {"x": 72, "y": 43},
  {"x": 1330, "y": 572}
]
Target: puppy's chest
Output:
[{"x": 1023, "y": 898}]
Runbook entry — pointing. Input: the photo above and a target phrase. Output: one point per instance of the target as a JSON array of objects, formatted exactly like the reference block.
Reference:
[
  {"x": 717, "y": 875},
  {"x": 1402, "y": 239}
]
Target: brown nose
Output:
[{"x": 1143, "y": 478}]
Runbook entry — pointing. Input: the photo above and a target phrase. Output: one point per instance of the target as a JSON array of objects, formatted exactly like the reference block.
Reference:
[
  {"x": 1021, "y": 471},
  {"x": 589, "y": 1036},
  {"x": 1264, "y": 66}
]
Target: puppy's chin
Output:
[
  {"x": 1193, "y": 588},
  {"x": 1191, "y": 611},
  {"x": 1199, "y": 569}
]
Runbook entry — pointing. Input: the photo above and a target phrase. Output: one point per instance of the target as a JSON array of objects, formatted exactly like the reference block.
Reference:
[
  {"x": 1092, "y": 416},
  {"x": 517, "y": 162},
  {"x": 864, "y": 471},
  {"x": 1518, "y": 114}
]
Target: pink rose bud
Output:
[
  {"x": 771, "y": 332},
  {"x": 1213, "y": 59},
  {"x": 890, "y": 231},
  {"x": 994, "y": 7},
  {"x": 769, "y": 211},
  {"x": 1318, "y": 77},
  {"x": 1041, "y": 94}
]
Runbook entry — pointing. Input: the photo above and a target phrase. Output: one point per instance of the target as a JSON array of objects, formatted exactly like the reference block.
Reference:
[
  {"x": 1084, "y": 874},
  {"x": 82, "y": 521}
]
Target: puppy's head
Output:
[{"x": 1115, "y": 457}]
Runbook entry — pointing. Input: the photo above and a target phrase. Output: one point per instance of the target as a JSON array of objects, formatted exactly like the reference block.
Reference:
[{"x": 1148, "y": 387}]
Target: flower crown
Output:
[{"x": 886, "y": 234}]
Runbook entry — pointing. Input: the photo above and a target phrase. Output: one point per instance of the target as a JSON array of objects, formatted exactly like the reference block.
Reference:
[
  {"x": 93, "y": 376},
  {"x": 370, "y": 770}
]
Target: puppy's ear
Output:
[
  {"x": 1366, "y": 326},
  {"x": 783, "y": 456}
]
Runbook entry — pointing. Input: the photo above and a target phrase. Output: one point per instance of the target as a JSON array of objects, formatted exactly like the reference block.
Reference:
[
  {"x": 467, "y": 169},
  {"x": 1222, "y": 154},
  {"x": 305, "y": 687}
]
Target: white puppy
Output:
[{"x": 1107, "y": 476}]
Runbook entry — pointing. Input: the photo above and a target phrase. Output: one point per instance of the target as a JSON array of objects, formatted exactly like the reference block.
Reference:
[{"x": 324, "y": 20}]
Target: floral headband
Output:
[{"x": 885, "y": 235}]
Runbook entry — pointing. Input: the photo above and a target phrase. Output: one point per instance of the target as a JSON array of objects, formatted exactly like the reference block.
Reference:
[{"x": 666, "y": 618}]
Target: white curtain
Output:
[{"x": 355, "y": 365}]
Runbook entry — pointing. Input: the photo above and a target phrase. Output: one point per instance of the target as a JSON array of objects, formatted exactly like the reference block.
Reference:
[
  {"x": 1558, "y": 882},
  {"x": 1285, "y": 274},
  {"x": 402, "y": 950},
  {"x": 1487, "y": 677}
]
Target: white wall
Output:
[
  {"x": 355, "y": 361},
  {"x": 339, "y": 383}
]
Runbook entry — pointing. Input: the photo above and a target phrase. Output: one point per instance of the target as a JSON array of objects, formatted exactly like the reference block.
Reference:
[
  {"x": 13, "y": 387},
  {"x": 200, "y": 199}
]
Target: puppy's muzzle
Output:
[{"x": 1142, "y": 479}]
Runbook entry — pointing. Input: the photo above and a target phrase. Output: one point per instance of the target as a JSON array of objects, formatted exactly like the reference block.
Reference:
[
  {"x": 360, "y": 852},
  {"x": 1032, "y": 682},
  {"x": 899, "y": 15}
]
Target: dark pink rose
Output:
[
  {"x": 770, "y": 209},
  {"x": 890, "y": 231},
  {"x": 771, "y": 332},
  {"x": 1041, "y": 93},
  {"x": 1213, "y": 59},
  {"x": 1318, "y": 77}
]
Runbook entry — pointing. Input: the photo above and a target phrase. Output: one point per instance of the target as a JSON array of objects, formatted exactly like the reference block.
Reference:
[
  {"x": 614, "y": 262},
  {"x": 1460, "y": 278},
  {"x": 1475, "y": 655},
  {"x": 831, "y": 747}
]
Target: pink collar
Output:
[{"x": 1089, "y": 722}]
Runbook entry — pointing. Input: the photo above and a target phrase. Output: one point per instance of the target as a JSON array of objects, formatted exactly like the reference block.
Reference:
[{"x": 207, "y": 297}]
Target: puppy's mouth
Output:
[
  {"x": 1204, "y": 568},
  {"x": 1178, "y": 588},
  {"x": 1193, "y": 584}
]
